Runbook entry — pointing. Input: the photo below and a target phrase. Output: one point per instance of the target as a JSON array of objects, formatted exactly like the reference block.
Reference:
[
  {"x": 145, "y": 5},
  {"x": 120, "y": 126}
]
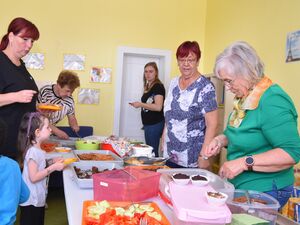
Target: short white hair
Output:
[{"x": 240, "y": 59}]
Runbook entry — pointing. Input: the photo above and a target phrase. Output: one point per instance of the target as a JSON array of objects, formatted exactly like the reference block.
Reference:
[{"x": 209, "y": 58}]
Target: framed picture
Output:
[
  {"x": 74, "y": 62},
  {"x": 88, "y": 96},
  {"x": 101, "y": 74},
  {"x": 293, "y": 46},
  {"x": 34, "y": 61}
]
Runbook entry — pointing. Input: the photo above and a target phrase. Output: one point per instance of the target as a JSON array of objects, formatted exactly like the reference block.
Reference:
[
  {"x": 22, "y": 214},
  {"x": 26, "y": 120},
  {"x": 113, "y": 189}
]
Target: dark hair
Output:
[
  {"x": 186, "y": 47},
  {"x": 147, "y": 87},
  {"x": 17, "y": 26},
  {"x": 30, "y": 123},
  {"x": 69, "y": 78}
]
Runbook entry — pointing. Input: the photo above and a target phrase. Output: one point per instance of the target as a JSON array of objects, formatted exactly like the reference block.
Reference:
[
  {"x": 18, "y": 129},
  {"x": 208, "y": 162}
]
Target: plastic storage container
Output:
[
  {"x": 105, "y": 146},
  {"x": 191, "y": 205},
  {"x": 88, "y": 182},
  {"x": 127, "y": 184},
  {"x": 65, "y": 143},
  {"x": 215, "y": 183},
  {"x": 116, "y": 159},
  {"x": 254, "y": 203},
  {"x": 142, "y": 150}
]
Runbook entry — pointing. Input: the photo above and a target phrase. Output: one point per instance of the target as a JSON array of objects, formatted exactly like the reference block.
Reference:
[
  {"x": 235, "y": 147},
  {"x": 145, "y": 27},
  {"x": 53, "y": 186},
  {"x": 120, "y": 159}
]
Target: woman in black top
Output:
[
  {"x": 152, "y": 106},
  {"x": 17, "y": 87}
]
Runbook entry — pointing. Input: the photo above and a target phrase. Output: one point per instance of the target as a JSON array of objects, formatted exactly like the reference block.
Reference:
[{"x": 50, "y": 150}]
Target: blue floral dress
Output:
[{"x": 184, "y": 112}]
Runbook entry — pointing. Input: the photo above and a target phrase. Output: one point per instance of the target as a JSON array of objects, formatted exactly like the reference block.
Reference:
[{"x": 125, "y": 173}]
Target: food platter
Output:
[
  {"x": 49, "y": 107},
  {"x": 109, "y": 215},
  {"x": 144, "y": 161}
]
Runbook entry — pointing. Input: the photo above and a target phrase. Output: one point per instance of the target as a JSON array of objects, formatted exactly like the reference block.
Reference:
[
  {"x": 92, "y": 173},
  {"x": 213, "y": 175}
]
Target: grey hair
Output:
[{"x": 240, "y": 59}]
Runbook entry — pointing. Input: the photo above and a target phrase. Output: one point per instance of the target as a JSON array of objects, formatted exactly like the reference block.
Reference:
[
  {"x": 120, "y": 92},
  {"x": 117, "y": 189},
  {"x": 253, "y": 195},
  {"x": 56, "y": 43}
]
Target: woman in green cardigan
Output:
[{"x": 261, "y": 136}]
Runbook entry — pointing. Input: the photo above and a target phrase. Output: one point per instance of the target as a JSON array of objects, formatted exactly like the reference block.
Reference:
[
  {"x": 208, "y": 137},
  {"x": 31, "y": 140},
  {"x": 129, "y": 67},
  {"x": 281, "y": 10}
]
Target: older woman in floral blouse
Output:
[{"x": 190, "y": 111}]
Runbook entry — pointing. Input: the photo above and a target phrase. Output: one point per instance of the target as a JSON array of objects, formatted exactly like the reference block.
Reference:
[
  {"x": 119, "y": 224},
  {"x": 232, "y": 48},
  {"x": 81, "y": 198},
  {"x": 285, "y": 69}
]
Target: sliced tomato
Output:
[{"x": 92, "y": 221}]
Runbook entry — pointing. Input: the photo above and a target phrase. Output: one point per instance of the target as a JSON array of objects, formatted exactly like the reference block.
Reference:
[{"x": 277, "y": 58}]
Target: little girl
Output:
[{"x": 34, "y": 129}]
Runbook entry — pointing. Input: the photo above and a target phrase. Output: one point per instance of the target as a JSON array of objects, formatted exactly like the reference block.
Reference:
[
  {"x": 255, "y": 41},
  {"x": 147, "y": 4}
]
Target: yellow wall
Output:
[
  {"x": 96, "y": 28},
  {"x": 262, "y": 23}
]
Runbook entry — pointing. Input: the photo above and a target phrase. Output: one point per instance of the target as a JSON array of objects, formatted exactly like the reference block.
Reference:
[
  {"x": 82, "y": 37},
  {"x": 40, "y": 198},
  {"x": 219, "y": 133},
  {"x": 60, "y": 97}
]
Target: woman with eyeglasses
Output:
[
  {"x": 190, "y": 111},
  {"x": 261, "y": 135},
  {"x": 17, "y": 87}
]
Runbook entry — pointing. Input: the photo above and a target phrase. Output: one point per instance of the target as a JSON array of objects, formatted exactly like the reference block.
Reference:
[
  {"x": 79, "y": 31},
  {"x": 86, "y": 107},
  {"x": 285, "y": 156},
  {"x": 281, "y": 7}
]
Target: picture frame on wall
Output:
[
  {"x": 35, "y": 61},
  {"x": 74, "y": 62},
  {"x": 88, "y": 96},
  {"x": 293, "y": 46},
  {"x": 101, "y": 74}
]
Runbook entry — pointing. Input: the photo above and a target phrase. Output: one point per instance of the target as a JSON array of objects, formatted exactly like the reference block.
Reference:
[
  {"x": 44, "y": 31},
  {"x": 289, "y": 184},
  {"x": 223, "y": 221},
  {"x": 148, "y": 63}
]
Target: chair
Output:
[{"x": 83, "y": 131}]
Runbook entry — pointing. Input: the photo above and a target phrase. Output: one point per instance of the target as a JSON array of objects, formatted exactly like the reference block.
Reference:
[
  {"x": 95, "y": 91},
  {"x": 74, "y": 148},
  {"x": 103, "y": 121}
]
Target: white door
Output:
[{"x": 132, "y": 90}]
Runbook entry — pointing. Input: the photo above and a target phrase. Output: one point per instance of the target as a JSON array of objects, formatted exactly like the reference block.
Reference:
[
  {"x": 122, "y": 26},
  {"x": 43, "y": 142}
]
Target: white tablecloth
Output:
[{"x": 75, "y": 196}]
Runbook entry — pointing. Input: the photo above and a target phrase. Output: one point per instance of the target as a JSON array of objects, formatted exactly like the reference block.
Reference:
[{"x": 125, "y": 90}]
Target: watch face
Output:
[{"x": 249, "y": 160}]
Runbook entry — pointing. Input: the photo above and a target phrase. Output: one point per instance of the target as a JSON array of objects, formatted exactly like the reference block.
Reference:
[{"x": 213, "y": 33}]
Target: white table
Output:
[{"x": 75, "y": 196}]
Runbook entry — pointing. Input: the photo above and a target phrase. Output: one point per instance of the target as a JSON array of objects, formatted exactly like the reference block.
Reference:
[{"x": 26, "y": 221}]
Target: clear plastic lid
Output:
[
  {"x": 127, "y": 175},
  {"x": 253, "y": 199}
]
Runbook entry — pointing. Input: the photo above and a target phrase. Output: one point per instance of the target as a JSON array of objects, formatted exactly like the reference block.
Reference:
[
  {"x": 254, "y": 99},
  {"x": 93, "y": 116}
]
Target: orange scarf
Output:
[{"x": 240, "y": 105}]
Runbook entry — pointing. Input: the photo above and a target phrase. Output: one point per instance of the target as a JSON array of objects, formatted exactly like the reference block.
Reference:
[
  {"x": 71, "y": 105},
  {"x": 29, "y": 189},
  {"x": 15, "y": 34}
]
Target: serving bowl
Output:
[
  {"x": 87, "y": 145},
  {"x": 180, "y": 178},
  {"x": 216, "y": 198},
  {"x": 49, "y": 107},
  {"x": 63, "y": 149},
  {"x": 199, "y": 180}
]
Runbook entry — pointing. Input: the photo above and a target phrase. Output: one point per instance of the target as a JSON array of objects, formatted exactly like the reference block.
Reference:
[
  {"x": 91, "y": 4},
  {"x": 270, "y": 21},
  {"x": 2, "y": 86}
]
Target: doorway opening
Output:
[{"x": 129, "y": 87}]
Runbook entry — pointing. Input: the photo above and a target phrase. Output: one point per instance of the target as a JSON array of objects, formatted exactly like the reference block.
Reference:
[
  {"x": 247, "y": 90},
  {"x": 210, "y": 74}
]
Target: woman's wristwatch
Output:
[{"x": 249, "y": 161}]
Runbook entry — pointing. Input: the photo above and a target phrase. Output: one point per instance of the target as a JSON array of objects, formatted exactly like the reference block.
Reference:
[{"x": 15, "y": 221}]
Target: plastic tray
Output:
[
  {"x": 88, "y": 183},
  {"x": 86, "y": 204},
  {"x": 216, "y": 182},
  {"x": 117, "y": 159},
  {"x": 65, "y": 143},
  {"x": 266, "y": 210}
]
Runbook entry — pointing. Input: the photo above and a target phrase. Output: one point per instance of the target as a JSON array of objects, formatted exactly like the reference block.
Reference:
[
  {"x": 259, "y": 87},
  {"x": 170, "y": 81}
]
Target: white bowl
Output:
[
  {"x": 142, "y": 150},
  {"x": 215, "y": 200},
  {"x": 181, "y": 181},
  {"x": 200, "y": 182}
]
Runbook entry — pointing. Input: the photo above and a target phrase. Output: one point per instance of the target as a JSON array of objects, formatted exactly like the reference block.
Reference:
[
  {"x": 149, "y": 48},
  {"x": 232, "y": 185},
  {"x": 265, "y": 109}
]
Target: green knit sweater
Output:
[{"x": 273, "y": 124}]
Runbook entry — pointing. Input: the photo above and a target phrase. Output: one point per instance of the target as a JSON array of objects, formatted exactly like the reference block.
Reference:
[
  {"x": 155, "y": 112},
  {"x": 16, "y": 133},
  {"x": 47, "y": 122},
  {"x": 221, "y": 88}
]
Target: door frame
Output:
[{"x": 122, "y": 51}]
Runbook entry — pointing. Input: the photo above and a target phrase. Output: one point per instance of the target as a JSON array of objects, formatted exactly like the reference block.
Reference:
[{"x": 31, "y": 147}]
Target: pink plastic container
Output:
[
  {"x": 191, "y": 206},
  {"x": 127, "y": 184}
]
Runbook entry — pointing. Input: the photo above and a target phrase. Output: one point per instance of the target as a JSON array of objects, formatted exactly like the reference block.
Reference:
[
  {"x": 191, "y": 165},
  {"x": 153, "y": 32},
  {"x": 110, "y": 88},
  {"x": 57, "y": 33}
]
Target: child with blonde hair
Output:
[{"x": 35, "y": 129}]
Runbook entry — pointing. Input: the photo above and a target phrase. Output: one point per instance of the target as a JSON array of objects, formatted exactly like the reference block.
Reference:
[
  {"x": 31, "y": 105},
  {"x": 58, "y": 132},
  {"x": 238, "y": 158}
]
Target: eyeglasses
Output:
[
  {"x": 189, "y": 61},
  {"x": 228, "y": 82}
]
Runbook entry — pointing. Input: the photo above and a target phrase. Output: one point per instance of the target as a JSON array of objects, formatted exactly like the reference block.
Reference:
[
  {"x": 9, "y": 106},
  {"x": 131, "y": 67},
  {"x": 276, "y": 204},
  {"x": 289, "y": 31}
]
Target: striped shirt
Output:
[{"x": 47, "y": 95}]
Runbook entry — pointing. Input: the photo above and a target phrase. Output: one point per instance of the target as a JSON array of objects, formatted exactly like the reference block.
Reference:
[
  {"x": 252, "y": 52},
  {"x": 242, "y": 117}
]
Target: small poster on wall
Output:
[
  {"x": 74, "y": 62},
  {"x": 293, "y": 46},
  {"x": 88, "y": 96},
  {"x": 101, "y": 74},
  {"x": 34, "y": 61}
]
